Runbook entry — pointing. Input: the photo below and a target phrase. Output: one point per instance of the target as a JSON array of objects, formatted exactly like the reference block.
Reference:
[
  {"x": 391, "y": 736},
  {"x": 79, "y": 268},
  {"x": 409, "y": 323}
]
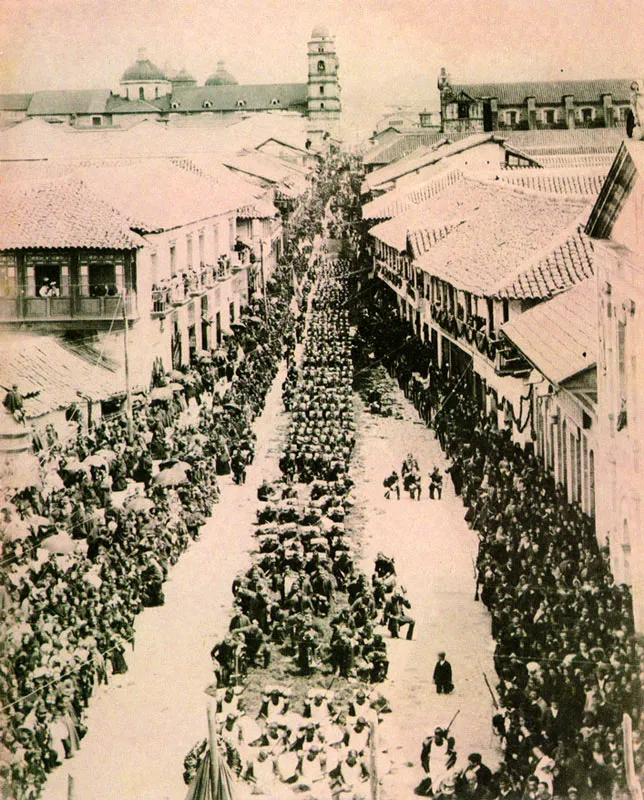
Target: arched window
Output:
[
  {"x": 241, "y": 103},
  {"x": 141, "y": 93},
  {"x": 275, "y": 101},
  {"x": 321, "y": 66},
  {"x": 321, "y": 89},
  {"x": 207, "y": 104},
  {"x": 321, "y": 106}
]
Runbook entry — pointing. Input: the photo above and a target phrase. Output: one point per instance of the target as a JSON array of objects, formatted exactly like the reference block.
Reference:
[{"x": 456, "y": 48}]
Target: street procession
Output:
[{"x": 320, "y": 458}]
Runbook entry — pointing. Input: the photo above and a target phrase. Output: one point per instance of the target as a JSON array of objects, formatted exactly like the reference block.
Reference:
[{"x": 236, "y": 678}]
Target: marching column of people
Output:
[{"x": 303, "y": 603}]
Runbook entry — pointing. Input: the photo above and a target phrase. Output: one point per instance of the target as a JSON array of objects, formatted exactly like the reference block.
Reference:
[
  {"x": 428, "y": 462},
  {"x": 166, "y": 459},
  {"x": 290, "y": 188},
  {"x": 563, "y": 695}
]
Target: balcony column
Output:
[{"x": 74, "y": 283}]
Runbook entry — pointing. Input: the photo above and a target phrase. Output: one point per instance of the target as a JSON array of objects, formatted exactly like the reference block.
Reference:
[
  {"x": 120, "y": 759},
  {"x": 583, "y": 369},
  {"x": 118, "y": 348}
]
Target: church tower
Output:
[{"x": 324, "y": 89}]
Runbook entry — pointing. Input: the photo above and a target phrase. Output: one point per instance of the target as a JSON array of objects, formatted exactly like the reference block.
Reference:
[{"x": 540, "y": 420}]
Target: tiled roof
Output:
[
  {"x": 270, "y": 169},
  {"x": 503, "y": 229},
  {"x": 398, "y": 201},
  {"x": 45, "y": 364},
  {"x": 424, "y": 157},
  {"x": 119, "y": 105},
  {"x": 568, "y": 263},
  {"x": 577, "y": 141},
  {"x": 226, "y": 98},
  {"x": 596, "y": 160},
  {"x": 559, "y": 336},
  {"x": 14, "y": 102},
  {"x": 548, "y": 91},
  {"x": 403, "y": 145},
  {"x": 85, "y": 101},
  {"x": 421, "y": 226},
  {"x": 62, "y": 213},
  {"x": 157, "y": 195},
  {"x": 563, "y": 183}
]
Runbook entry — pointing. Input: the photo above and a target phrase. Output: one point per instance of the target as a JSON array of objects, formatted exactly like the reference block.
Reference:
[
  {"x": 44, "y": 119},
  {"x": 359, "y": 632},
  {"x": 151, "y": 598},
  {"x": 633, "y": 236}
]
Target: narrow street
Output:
[
  {"x": 434, "y": 552},
  {"x": 142, "y": 725}
]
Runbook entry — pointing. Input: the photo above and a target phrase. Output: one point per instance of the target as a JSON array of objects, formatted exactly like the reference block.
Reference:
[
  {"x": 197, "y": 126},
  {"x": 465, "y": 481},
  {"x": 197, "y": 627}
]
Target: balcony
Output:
[
  {"x": 66, "y": 309},
  {"x": 183, "y": 286}
]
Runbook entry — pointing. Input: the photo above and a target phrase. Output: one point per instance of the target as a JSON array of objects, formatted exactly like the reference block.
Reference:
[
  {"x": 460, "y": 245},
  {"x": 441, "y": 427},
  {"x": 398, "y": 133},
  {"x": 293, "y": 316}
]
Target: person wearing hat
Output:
[
  {"x": 438, "y": 756},
  {"x": 443, "y": 675}
]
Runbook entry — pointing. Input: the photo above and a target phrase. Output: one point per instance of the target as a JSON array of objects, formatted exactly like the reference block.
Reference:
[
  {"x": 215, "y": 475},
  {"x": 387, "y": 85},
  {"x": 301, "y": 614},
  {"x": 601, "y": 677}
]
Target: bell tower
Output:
[{"x": 324, "y": 89}]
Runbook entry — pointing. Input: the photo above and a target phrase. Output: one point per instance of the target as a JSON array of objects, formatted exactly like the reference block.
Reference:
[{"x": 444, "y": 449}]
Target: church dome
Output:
[
  {"x": 221, "y": 77},
  {"x": 183, "y": 78},
  {"x": 320, "y": 32},
  {"x": 143, "y": 70}
]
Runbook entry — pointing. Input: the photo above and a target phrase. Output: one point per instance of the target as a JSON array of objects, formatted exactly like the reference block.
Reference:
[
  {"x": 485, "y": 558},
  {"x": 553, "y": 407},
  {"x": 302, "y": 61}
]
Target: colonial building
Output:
[
  {"x": 532, "y": 105},
  {"x": 616, "y": 227},
  {"x": 146, "y": 92},
  {"x": 168, "y": 250}
]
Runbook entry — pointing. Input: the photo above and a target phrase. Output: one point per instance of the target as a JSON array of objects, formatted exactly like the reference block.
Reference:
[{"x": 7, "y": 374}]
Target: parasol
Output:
[
  {"x": 139, "y": 504},
  {"x": 232, "y": 406},
  {"x": 173, "y": 476},
  {"x": 239, "y": 325},
  {"x": 15, "y": 531},
  {"x": 161, "y": 394},
  {"x": 60, "y": 543}
]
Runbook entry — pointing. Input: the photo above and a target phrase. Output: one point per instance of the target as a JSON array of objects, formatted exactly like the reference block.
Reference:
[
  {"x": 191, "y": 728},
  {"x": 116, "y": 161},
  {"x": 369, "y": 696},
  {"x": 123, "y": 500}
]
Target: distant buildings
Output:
[
  {"x": 532, "y": 105},
  {"x": 146, "y": 92}
]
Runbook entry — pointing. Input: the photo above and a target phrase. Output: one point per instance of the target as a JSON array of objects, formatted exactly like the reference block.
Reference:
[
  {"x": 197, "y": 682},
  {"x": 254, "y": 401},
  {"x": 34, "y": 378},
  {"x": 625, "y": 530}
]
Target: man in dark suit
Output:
[
  {"x": 476, "y": 767},
  {"x": 443, "y": 675}
]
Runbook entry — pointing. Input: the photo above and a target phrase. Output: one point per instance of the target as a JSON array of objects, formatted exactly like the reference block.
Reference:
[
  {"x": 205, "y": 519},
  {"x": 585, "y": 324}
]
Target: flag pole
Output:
[{"x": 212, "y": 743}]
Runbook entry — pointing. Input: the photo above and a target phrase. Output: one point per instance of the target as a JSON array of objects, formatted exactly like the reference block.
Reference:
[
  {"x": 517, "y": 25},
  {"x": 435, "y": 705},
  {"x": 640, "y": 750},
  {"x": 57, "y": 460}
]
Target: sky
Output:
[{"x": 390, "y": 51}]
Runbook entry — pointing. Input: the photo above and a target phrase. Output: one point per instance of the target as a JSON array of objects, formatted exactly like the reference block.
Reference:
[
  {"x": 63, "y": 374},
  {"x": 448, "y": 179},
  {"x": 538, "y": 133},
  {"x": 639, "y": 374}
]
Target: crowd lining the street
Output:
[
  {"x": 567, "y": 662},
  {"x": 88, "y": 548}
]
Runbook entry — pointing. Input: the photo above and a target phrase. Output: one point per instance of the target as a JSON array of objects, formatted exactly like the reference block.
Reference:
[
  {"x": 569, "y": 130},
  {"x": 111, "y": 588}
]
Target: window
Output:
[
  {"x": 141, "y": 93},
  {"x": 207, "y": 104},
  {"x": 321, "y": 66},
  {"x": 215, "y": 239},
  {"x": 320, "y": 48},
  {"x": 175, "y": 104},
  {"x": 321, "y": 106},
  {"x": 97, "y": 122},
  {"x": 275, "y": 101},
  {"x": 7, "y": 278},
  {"x": 621, "y": 367},
  {"x": 241, "y": 103},
  {"x": 587, "y": 114},
  {"x": 510, "y": 117},
  {"x": 506, "y": 310},
  {"x": 463, "y": 110},
  {"x": 321, "y": 89},
  {"x": 153, "y": 266},
  {"x": 46, "y": 280},
  {"x": 101, "y": 280},
  {"x": 189, "y": 251},
  {"x": 549, "y": 116},
  {"x": 173, "y": 259},
  {"x": 127, "y": 94},
  {"x": 156, "y": 91},
  {"x": 202, "y": 249}
]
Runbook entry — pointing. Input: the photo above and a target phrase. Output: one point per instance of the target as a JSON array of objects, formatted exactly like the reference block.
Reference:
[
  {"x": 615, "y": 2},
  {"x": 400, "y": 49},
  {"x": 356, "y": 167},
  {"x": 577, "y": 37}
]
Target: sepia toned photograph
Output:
[{"x": 321, "y": 422}]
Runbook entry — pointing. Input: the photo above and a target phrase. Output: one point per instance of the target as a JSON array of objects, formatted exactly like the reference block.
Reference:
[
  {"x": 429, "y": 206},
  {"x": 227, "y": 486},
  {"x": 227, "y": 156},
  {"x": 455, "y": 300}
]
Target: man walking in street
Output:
[{"x": 443, "y": 675}]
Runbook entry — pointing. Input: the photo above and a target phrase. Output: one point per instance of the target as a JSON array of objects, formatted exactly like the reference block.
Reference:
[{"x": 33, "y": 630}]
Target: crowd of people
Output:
[
  {"x": 303, "y": 610},
  {"x": 567, "y": 661},
  {"x": 91, "y": 545}
]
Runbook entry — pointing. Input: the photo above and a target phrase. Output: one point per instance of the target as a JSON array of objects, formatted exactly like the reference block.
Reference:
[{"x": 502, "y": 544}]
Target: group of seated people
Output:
[{"x": 316, "y": 746}]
